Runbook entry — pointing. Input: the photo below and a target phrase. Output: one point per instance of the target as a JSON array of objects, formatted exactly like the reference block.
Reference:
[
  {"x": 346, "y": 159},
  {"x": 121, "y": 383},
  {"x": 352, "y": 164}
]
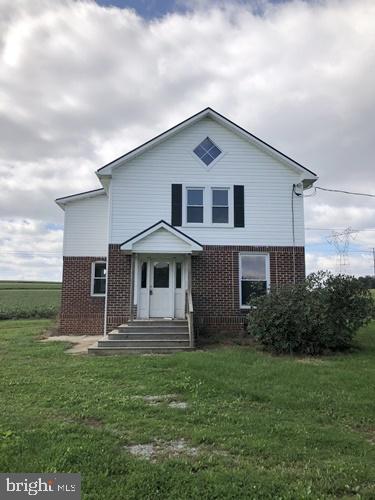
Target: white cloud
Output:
[
  {"x": 81, "y": 84},
  {"x": 358, "y": 264}
]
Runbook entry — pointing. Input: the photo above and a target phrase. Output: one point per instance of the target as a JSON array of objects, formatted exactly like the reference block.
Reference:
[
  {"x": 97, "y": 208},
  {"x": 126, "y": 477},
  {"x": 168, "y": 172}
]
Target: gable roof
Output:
[
  {"x": 192, "y": 245},
  {"x": 211, "y": 113},
  {"x": 79, "y": 196}
]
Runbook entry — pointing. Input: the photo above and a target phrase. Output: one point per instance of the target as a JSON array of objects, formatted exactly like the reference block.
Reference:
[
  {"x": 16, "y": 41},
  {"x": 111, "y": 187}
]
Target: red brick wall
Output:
[
  {"x": 80, "y": 313},
  {"x": 119, "y": 287},
  {"x": 215, "y": 283}
]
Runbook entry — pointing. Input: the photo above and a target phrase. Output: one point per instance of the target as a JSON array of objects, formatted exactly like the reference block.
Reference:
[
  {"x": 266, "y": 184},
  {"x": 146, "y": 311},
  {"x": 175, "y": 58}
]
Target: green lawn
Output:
[
  {"x": 265, "y": 427},
  {"x": 24, "y": 299}
]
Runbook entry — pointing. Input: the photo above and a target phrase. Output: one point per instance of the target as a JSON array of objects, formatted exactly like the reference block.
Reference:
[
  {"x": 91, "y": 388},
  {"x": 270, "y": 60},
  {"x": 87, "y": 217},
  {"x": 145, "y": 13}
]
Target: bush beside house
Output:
[{"x": 322, "y": 313}]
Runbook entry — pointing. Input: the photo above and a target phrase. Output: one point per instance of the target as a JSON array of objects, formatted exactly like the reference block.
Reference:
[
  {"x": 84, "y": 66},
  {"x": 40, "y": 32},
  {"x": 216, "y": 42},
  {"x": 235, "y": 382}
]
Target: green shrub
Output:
[{"x": 322, "y": 313}]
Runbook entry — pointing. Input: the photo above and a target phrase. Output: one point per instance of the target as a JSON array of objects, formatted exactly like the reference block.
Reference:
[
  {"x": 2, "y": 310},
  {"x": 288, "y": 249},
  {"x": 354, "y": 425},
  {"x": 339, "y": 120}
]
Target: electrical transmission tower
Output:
[{"x": 340, "y": 240}]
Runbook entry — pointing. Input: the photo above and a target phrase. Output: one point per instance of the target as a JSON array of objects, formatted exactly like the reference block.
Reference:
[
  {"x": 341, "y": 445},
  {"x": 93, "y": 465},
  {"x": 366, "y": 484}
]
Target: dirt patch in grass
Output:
[
  {"x": 80, "y": 343},
  {"x": 162, "y": 449},
  {"x": 211, "y": 340},
  {"x": 310, "y": 361},
  {"x": 92, "y": 422},
  {"x": 182, "y": 405},
  {"x": 171, "y": 399}
]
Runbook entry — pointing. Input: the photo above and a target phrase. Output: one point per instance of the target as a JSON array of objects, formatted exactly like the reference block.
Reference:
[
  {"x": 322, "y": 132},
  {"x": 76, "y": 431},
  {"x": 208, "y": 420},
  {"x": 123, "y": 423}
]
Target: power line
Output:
[
  {"x": 336, "y": 229},
  {"x": 30, "y": 253},
  {"x": 344, "y": 192}
]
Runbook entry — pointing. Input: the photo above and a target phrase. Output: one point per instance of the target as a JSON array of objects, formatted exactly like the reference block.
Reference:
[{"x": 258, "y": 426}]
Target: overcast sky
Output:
[{"x": 82, "y": 82}]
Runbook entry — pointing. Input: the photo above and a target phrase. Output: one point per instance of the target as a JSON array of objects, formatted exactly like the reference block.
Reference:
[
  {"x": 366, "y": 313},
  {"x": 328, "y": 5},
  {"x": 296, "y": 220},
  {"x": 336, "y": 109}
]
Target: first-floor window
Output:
[
  {"x": 254, "y": 276},
  {"x": 99, "y": 273}
]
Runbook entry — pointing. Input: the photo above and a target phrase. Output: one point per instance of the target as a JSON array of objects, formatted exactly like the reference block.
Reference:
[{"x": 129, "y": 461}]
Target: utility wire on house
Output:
[
  {"x": 344, "y": 192},
  {"x": 315, "y": 188}
]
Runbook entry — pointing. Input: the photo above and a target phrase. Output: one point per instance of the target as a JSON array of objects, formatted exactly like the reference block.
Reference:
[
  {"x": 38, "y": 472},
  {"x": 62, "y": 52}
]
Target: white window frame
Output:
[
  {"x": 207, "y": 206},
  {"x": 230, "y": 206},
  {"x": 201, "y": 188},
  {"x": 201, "y": 162},
  {"x": 268, "y": 276},
  {"x": 93, "y": 264}
]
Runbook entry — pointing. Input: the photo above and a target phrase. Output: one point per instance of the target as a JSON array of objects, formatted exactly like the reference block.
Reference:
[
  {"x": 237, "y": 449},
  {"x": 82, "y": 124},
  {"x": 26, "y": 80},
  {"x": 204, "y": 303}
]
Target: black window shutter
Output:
[
  {"x": 239, "y": 206},
  {"x": 176, "y": 215}
]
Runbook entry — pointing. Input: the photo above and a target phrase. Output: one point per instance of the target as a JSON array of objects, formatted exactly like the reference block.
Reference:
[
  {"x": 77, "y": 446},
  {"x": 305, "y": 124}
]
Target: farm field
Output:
[
  {"x": 29, "y": 299},
  {"x": 253, "y": 426},
  {"x": 30, "y": 285}
]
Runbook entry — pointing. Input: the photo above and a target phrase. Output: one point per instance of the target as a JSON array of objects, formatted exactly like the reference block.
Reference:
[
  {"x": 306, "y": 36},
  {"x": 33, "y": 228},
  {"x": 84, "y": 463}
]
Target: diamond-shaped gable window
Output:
[{"x": 207, "y": 151}]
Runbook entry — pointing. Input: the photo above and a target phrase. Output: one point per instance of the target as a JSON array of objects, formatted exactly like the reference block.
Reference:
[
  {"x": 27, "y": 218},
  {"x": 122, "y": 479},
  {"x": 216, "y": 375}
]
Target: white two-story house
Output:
[{"x": 185, "y": 227}]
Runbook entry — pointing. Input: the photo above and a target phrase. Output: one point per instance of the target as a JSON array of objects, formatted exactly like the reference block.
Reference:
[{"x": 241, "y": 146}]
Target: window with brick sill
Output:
[
  {"x": 254, "y": 277},
  {"x": 98, "y": 279}
]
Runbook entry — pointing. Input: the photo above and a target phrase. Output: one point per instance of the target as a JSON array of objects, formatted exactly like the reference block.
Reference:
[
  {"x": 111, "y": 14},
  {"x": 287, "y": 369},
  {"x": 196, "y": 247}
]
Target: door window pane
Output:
[
  {"x": 144, "y": 275},
  {"x": 178, "y": 274},
  {"x": 161, "y": 275}
]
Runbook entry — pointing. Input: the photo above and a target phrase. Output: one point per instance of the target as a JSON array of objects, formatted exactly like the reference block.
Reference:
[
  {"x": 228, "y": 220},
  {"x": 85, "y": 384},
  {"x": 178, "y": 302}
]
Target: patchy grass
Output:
[
  {"x": 263, "y": 426},
  {"x": 29, "y": 299}
]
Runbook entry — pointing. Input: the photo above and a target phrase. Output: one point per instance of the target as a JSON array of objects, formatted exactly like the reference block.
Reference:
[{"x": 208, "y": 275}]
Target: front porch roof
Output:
[{"x": 161, "y": 238}]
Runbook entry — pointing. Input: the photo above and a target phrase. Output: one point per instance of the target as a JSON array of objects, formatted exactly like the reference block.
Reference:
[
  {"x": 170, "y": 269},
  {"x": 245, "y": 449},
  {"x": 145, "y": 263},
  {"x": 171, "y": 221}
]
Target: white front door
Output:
[
  {"x": 161, "y": 289},
  {"x": 161, "y": 286}
]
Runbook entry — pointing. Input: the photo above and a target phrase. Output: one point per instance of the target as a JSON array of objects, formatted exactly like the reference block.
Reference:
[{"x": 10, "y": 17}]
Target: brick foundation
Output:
[
  {"x": 81, "y": 314},
  {"x": 215, "y": 288}
]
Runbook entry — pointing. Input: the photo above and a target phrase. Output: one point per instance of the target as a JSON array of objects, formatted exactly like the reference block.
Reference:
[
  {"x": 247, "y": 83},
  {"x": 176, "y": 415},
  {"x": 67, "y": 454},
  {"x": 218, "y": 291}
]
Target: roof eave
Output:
[
  {"x": 127, "y": 245},
  {"x": 62, "y": 202}
]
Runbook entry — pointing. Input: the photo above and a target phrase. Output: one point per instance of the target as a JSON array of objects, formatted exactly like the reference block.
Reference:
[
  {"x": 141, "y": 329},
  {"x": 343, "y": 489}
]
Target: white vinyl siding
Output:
[
  {"x": 161, "y": 241},
  {"x": 86, "y": 227},
  {"x": 141, "y": 189}
]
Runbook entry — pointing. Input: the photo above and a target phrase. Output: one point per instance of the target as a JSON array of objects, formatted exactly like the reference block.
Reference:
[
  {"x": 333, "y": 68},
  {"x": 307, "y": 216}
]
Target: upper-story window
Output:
[
  {"x": 208, "y": 205},
  {"x": 220, "y": 206},
  {"x": 195, "y": 205},
  {"x": 207, "y": 151},
  {"x": 98, "y": 278}
]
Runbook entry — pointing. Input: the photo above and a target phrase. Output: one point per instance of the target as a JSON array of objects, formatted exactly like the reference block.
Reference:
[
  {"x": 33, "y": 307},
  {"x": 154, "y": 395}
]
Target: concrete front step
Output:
[
  {"x": 144, "y": 328},
  {"x": 156, "y": 322},
  {"x": 143, "y": 343},
  {"x": 148, "y": 336},
  {"x": 145, "y": 336},
  {"x": 109, "y": 351}
]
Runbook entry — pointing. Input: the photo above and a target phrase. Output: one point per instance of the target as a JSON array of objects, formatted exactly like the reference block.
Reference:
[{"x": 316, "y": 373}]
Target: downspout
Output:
[
  {"x": 294, "y": 232},
  {"x": 109, "y": 236}
]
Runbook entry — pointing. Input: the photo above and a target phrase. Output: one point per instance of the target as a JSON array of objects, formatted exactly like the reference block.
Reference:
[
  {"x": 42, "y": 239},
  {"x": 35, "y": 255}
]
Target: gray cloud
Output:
[{"x": 81, "y": 84}]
